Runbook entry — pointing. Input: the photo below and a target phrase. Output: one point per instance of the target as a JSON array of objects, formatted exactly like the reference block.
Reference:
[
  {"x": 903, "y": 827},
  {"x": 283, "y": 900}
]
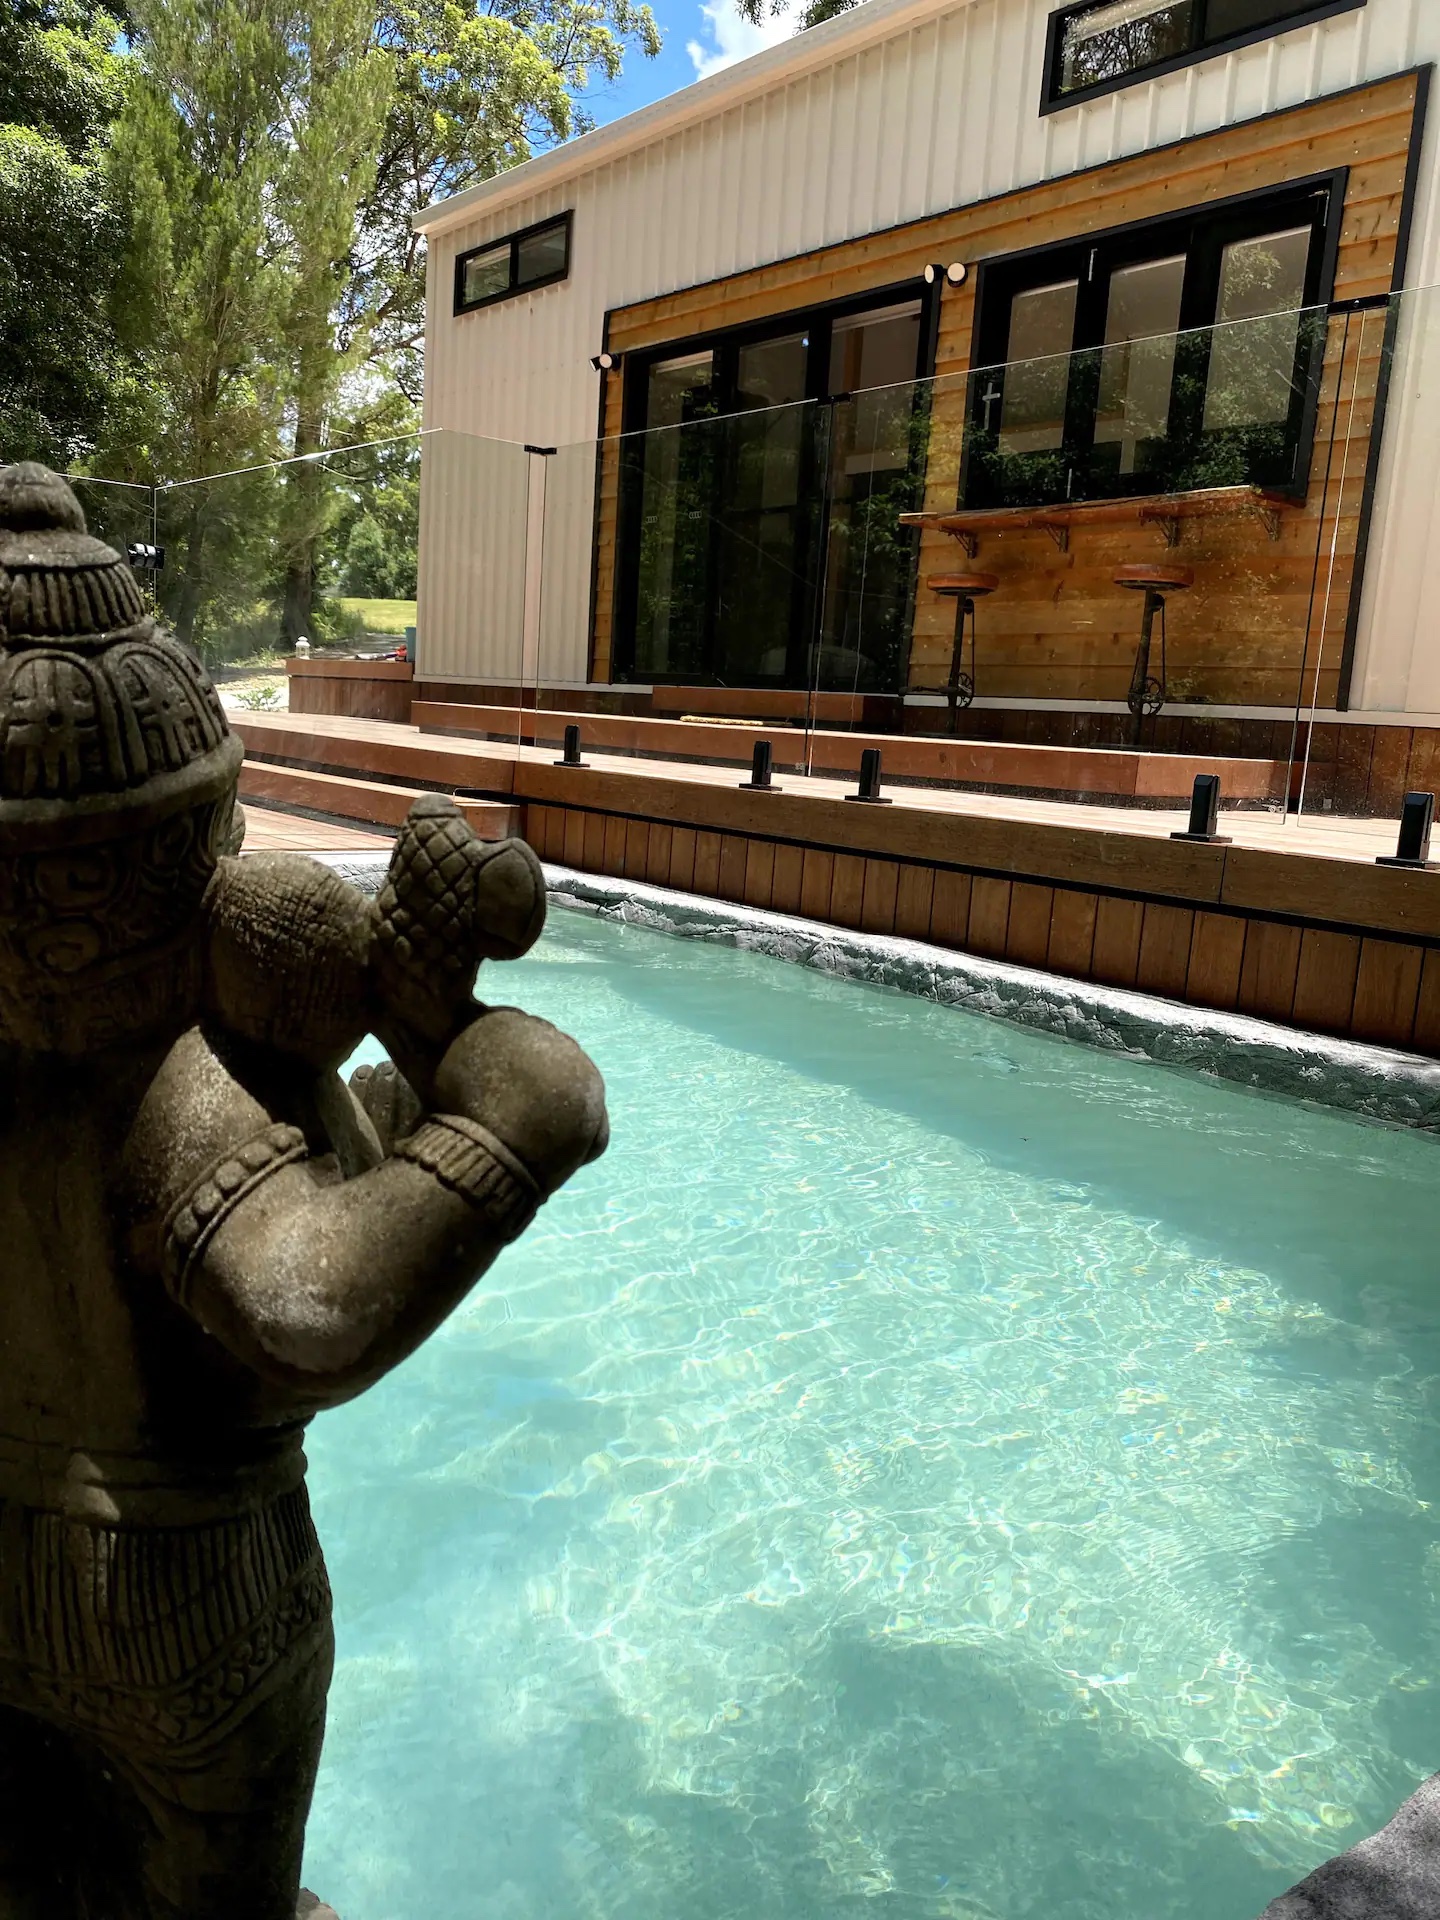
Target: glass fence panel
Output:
[
  {"x": 120, "y": 514},
  {"x": 479, "y": 554},
  {"x": 1147, "y": 548},
  {"x": 363, "y": 565},
  {"x": 681, "y": 579},
  {"x": 320, "y": 551},
  {"x": 1149, "y": 413},
  {"x": 1369, "y": 729}
]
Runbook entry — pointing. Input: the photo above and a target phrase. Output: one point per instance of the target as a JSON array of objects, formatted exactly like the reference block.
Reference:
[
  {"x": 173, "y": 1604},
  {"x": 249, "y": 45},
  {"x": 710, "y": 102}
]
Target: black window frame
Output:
[
  {"x": 724, "y": 344},
  {"x": 514, "y": 242},
  {"x": 1137, "y": 240},
  {"x": 1053, "y": 100}
]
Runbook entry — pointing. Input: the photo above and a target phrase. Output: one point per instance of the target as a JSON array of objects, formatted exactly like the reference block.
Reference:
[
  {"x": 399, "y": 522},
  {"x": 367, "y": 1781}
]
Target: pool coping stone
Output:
[{"x": 1375, "y": 1083}]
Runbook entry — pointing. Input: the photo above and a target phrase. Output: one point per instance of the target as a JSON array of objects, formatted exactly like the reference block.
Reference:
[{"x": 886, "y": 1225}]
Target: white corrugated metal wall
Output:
[
  {"x": 939, "y": 112},
  {"x": 474, "y": 498}
]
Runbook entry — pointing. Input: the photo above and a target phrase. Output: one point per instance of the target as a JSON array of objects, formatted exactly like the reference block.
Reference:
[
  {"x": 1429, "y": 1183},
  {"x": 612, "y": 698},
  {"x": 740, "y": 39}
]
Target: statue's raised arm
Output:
[
  {"x": 238, "y": 1161},
  {"x": 207, "y": 1235}
]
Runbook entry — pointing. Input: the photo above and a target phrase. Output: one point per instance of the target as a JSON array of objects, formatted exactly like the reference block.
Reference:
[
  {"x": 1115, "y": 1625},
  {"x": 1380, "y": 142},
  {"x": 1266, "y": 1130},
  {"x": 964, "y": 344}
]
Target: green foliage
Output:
[
  {"x": 477, "y": 89},
  {"x": 811, "y": 15},
  {"x": 196, "y": 154},
  {"x": 371, "y": 568},
  {"x": 208, "y": 262},
  {"x": 65, "y": 383},
  {"x": 375, "y": 531},
  {"x": 261, "y": 699}
]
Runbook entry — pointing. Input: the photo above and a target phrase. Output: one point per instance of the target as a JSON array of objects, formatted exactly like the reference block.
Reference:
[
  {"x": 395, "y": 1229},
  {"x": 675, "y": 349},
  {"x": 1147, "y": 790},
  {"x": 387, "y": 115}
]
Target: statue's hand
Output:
[
  {"x": 532, "y": 1087},
  {"x": 388, "y": 1101}
]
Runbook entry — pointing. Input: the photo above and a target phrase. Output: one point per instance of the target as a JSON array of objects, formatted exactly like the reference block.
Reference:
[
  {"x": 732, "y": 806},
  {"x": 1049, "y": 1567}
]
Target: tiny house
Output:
[{"x": 1062, "y": 365}]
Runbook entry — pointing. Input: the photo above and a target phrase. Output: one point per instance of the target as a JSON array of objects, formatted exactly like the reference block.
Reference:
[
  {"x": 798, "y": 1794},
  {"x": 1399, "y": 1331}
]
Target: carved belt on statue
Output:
[
  {"x": 165, "y": 1637},
  {"x": 131, "y": 1489}
]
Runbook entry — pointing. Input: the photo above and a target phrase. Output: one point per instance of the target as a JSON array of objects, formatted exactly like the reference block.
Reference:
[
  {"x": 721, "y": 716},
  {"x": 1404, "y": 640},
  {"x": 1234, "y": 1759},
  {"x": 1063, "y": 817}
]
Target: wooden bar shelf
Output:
[{"x": 1168, "y": 511}]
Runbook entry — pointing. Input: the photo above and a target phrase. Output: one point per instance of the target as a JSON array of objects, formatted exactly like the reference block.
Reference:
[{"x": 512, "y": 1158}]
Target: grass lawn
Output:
[{"x": 383, "y": 616}]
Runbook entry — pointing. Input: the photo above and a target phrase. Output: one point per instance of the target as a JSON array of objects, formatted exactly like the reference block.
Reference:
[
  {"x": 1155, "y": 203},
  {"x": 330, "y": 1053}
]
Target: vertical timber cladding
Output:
[{"x": 1262, "y": 611}]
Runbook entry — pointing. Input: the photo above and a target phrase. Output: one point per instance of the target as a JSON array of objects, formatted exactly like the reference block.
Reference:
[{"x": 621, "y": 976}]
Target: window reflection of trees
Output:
[{"x": 1093, "y": 53}]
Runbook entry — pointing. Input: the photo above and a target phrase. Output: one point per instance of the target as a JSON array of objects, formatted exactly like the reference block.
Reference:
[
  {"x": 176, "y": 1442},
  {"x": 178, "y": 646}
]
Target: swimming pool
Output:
[{"x": 926, "y": 1469}]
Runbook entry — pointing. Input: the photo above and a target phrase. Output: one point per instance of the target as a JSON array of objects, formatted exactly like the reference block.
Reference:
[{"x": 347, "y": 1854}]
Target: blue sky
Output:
[{"x": 701, "y": 36}]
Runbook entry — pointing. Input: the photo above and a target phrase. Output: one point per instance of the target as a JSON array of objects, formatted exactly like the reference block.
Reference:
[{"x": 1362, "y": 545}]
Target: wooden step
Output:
[
  {"x": 1111, "y": 772},
  {"x": 372, "y": 801},
  {"x": 775, "y": 704}
]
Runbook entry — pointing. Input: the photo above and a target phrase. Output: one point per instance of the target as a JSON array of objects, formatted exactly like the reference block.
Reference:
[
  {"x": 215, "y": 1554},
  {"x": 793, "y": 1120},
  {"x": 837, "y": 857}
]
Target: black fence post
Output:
[
  {"x": 572, "y": 750},
  {"x": 869, "y": 790},
  {"x": 1412, "y": 849},
  {"x": 1204, "y": 810},
  {"x": 759, "y": 781}
]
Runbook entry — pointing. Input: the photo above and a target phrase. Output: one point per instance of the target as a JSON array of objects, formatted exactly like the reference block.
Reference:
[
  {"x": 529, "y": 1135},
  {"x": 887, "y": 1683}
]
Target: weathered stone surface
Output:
[
  {"x": 208, "y": 1237},
  {"x": 1394, "y": 1875}
]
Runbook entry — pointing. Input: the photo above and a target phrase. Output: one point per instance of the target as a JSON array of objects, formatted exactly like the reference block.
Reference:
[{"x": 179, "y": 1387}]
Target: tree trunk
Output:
[
  {"x": 305, "y": 512},
  {"x": 188, "y": 603}
]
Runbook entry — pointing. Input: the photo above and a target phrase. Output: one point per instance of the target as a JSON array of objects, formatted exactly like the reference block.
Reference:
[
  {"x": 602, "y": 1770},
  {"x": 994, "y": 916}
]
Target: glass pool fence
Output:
[{"x": 1152, "y": 544}]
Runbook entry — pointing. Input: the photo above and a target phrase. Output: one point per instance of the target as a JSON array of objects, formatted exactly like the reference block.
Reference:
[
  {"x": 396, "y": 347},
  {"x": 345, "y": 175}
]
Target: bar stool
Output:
[
  {"x": 965, "y": 589},
  {"x": 1147, "y": 694}
]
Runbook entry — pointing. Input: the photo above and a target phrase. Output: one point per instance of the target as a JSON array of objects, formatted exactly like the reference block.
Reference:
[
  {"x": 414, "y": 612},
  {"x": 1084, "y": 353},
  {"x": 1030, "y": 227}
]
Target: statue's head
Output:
[{"x": 117, "y": 787}]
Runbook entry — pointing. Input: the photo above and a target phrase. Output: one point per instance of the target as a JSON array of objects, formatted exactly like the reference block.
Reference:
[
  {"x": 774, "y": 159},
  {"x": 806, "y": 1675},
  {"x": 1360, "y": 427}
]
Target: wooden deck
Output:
[
  {"x": 268, "y": 830},
  {"x": 1292, "y": 922}
]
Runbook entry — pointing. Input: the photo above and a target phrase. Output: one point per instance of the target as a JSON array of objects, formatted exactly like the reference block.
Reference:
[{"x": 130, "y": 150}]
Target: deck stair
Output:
[
  {"x": 1100, "y": 773},
  {"x": 376, "y": 802},
  {"x": 1279, "y": 921}
]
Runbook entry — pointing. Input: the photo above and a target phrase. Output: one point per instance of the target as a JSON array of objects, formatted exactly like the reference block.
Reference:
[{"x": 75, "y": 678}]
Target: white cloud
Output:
[{"x": 727, "y": 37}]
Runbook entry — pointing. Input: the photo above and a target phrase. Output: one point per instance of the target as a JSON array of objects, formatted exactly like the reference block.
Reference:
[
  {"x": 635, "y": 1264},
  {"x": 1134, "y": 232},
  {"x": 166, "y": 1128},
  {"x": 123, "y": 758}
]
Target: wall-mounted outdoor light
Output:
[
  {"x": 602, "y": 362},
  {"x": 955, "y": 273}
]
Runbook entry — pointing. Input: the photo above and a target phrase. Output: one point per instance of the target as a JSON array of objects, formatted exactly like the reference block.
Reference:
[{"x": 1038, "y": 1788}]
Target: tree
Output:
[
  {"x": 337, "y": 92},
  {"x": 478, "y": 89},
  {"x": 374, "y": 534},
  {"x": 371, "y": 567},
  {"x": 196, "y": 154},
  {"x": 65, "y": 383},
  {"x": 810, "y": 15},
  {"x": 273, "y": 153},
  {"x": 469, "y": 91}
]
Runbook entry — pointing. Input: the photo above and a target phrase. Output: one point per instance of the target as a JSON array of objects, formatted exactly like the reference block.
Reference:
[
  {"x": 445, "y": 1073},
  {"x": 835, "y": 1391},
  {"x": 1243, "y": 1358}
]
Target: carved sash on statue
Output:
[{"x": 208, "y": 1236}]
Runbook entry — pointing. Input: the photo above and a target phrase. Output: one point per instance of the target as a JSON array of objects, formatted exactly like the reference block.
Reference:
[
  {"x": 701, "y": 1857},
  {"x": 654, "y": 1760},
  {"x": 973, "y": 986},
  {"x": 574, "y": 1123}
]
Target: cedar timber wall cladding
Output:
[
  {"x": 1241, "y": 932},
  {"x": 1057, "y": 628}
]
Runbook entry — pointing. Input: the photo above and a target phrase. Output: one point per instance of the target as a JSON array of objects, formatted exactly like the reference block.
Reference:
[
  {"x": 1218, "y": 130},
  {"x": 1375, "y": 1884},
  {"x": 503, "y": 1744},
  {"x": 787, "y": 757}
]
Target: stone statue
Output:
[{"x": 206, "y": 1237}]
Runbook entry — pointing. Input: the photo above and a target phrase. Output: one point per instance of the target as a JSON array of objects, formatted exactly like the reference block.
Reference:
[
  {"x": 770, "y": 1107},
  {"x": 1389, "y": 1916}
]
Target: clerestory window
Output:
[
  {"x": 1103, "y": 44},
  {"x": 534, "y": 257}
]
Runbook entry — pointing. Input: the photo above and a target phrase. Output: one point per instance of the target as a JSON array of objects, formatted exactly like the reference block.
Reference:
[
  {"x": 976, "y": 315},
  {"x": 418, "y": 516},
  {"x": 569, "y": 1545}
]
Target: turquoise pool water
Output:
[{"x": 927, "y": 1471}]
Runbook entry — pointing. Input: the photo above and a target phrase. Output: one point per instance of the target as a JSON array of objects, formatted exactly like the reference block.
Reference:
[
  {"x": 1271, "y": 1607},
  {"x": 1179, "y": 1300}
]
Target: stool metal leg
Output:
[
  {"x": 960, "y": 687},
  {"x": 1147, "y": 695}
]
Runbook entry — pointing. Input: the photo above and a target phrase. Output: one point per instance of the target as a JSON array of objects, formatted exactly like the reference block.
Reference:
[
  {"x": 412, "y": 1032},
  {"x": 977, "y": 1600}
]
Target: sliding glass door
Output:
[
  {"x": 746, "y": 549},
  {"x": 672, "y": 532},
  {"x": 876, "y": 457}
]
